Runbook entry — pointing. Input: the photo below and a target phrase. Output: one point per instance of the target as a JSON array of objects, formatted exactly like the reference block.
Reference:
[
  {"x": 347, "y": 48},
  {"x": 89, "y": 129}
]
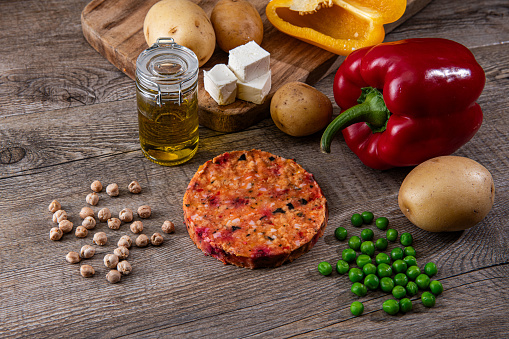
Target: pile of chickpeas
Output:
[{"x": 116, "y": 261}]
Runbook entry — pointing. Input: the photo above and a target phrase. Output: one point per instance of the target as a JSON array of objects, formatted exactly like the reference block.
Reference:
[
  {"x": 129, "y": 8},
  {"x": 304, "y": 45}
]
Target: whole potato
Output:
[
  {"x": 236, "y": 22},
  {"x": 185, "y": 22},
  {"x": 447, "y": 193},
  {"x": 299, "y": 109}
]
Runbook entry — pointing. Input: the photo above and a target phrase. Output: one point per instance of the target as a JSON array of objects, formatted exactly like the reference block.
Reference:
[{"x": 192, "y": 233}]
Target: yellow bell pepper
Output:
[{"x": 338, "y": 26}]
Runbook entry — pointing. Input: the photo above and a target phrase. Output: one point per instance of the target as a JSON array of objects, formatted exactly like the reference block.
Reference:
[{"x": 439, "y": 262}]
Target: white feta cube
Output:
[
  {"x": 255, "y": 90},
  {"x": 249, "y": 61},
  {"x": 221, "y": 84}
]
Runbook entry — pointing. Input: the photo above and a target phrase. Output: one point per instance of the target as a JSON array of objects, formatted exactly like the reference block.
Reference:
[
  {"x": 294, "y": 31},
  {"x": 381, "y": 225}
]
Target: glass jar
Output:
[{"x": 167, "y": 100}]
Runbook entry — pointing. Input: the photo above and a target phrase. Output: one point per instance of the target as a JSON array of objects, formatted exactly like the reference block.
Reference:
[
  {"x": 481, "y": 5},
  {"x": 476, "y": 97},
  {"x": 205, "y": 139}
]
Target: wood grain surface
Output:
[
  {"x": 115, "y": 29},
  {"x": 68, "y": 117}
]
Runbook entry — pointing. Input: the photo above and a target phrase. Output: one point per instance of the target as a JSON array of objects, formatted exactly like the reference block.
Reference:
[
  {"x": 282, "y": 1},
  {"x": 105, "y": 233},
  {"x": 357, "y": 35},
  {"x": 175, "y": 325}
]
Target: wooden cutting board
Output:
[{"x": 115, "y": 29}]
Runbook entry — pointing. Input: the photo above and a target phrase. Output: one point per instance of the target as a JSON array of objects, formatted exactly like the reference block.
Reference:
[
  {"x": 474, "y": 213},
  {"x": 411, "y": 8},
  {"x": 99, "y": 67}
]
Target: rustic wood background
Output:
[{"x": 67, "y": 117}]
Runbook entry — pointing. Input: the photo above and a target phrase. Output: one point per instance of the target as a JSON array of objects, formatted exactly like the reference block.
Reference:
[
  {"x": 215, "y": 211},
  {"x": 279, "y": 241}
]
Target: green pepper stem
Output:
[{"x": 371, "y": 109}]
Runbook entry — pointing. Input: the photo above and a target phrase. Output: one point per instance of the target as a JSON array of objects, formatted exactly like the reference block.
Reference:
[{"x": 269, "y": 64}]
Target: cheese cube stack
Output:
[
  {"x": 246, "y": 77},
  {"x": 221, "y": 84}
]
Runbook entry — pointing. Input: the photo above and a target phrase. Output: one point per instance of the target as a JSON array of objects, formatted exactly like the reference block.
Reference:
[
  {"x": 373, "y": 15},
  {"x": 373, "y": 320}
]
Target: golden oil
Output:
[
  {"x": 167, "y": 100},
  {"x": 169, "y": 134}
]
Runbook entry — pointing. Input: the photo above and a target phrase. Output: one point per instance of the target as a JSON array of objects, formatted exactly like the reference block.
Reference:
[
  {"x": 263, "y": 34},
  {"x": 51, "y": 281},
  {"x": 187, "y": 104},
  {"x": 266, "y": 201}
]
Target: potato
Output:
[
  {"x": 185, "y": 22},
  {"x": 447, "y": 193},
  {"x": 299, "y": 109},
  {"x": 236, "y": 22}
]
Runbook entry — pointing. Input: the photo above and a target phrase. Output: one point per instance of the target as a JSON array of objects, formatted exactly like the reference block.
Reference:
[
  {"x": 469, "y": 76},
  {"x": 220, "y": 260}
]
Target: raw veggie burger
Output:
[{"x": 254, "y": 209}]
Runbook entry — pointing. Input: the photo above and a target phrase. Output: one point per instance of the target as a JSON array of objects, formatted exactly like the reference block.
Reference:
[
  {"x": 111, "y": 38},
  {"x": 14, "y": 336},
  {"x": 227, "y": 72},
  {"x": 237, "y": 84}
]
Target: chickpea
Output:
[
  {"x": 110, "y": 260},
  {"x": 87, "y": 271},
  {"x": 112, "y": 190},
  {"x": 54, "y": 206},
  {"x": 134, "y": 187},
  {"x": 59, "y": 215},
  {"x": 156, "y": 239},
  {"x": 144, "y": 211},
  {"x": 136, "y": 227},
  {"x": 96, "y": 186},
  {"x": 126, "y": 215},
  {"x": 125, "y": 241},
  {"x": 55, "y": 234},
  {"x": 65, "y": 226},
  {"x": 81, "y": 232},
  {"x": 113, "y": 276},
  {"x": 100, "y": 239},
  {"x": 73, "y": 257},
  {"x": 87, "y": 252},
  {"x": 92, "y": 198},
  {"x": 121, "y": 252},
  {"x": 86, "y": 212},
  {"x": 104, "y": 214},
  {"x": 124, "y": 267},
  {"x": 89, "y": 223},
  {"x": 114, "y": 223},
  {"x": 168, "y": 227},
  {"x": 142, "y": 240}
]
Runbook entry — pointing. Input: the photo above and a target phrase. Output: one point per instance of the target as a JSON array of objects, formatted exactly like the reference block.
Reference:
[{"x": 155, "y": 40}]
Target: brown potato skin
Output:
[
  {"x": 299, "y": 109},
  {"x": 236, "y": 22},
  {"x": 446, "y": 194}
]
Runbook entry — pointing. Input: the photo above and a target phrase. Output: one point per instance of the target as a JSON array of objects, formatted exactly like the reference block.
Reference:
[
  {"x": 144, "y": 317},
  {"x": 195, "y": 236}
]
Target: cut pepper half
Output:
[{"x": 337, "y": 26}]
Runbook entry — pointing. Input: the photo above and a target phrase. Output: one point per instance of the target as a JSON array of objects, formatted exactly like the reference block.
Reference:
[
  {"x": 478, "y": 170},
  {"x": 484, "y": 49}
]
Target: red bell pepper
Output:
[{"x": 407, "y": 101}]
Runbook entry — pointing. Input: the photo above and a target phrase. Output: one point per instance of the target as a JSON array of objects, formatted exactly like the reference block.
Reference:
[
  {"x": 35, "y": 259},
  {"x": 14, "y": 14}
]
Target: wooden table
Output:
[{"x": 67, "y": 117}]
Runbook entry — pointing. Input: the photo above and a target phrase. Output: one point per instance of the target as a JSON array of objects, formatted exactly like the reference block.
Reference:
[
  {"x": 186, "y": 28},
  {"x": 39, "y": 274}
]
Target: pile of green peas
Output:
[{"x": 396, "y": 273}]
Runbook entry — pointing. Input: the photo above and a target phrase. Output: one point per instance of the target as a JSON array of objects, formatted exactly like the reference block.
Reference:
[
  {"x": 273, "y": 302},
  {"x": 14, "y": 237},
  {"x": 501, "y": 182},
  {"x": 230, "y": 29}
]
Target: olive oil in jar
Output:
[
  {"x": 169, "y": 134},
  {"x": 167, "y": 100}
]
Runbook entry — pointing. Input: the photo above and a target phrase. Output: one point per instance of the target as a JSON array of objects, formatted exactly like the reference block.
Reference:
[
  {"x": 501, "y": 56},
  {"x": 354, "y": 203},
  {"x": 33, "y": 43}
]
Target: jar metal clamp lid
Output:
[{"x": 167, "y": 68}]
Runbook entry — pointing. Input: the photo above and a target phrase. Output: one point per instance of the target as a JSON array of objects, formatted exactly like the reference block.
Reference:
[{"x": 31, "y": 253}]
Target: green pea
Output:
[
  {"x": 406, "y": 239},
  {"x": 324, "y": 268},
  {"x": 391, "y": 235},
  {"x": 430, "y": 269},
  {"x": 396, "y": 253},
  {"x": 381, "y": 244},
  {"x": 387, "y": 284},
  {"x": 428, "y": 299},
  {"x": 405, "y": 305},
  {"x": 367, "y": 217},
  {"x": 384, "y": 270},
  {"x": 367, "y": 247},
  {"x": 401, "y": 279},
  {"x": 340, "y": 233},
  {"x": 359, "y": 289},
  {"x": 412, "y": 272},
  {"x": 369, "y": 269},
  {"x": 382, "y": 223},
  {"x": 362, "y": 260},
  {"x": 355, "y": 274},
  {"x": 371, "y": 281},
  {"x": 382, "y": 258},
  {"x": 398, "y": 292},
  {"x": 436, "y": 287},
  {"x": 391, "y": 306},
  {"x": 411, "y": 289},
  {"x": 410, "y": 260},
  {"x": 422, "y": 281},
  {"x": 354, "y": 243},
  {"x": 367, "y": 234},
  {"x": 356, "y": 308},
  {"x": 399, "y": 266},
  {"x": 356, "y": 220},
  {"x": 409, "y": 251},
  {"x": 342, "y": 267},
  {"x": 348, "y": 255}
]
